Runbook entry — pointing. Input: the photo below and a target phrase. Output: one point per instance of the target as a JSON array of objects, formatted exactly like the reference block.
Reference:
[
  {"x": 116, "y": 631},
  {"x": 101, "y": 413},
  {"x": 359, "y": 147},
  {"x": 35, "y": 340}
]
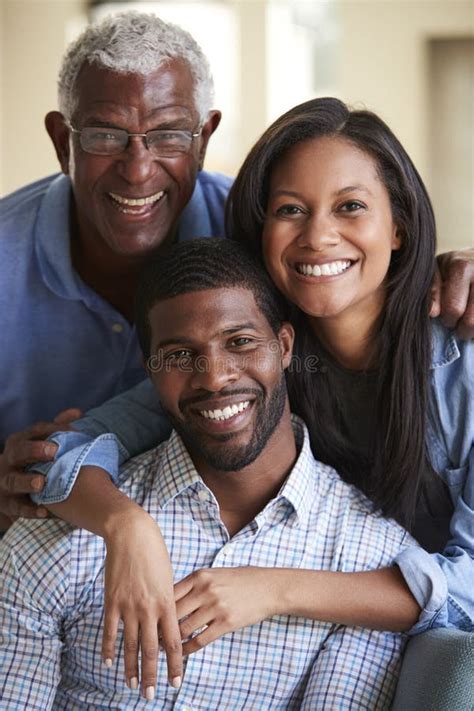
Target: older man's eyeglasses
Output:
[{"x": 161, "y": 142}]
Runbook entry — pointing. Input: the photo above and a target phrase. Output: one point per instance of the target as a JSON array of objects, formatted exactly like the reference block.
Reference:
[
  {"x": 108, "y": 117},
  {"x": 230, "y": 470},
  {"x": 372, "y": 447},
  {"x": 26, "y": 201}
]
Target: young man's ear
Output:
[
  {"x": 286, "y": 338},
  {"x": 208, "y": 128},
  {"x": 59, "y": 134}
]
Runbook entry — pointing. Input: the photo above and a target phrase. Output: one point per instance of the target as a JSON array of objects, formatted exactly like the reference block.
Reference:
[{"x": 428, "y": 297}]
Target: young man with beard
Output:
[{"x": 240, "y": 501}]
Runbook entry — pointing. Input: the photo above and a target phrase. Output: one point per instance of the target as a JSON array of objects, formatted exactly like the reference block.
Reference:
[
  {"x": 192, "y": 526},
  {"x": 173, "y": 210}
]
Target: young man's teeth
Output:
[
  {"x": 137, "y": 202},
  {"x": 327, "y": 269},
  {"x": 226, "y": 413}
]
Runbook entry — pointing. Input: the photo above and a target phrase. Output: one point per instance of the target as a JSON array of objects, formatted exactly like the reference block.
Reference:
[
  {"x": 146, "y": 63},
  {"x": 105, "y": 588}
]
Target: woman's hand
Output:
[
  {"x": 139, "y": 591},
  {"x": 223, "y": 600}
]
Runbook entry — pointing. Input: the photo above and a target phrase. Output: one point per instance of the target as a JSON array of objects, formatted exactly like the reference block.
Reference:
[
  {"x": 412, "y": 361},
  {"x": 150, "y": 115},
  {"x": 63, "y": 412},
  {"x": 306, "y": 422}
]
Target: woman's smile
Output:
[{"x": 329, "y": 232}]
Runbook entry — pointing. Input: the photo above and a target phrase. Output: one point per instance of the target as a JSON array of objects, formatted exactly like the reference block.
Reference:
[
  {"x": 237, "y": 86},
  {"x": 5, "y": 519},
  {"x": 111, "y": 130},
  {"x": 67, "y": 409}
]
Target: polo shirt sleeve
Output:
[{"x": 136, "y": 417}]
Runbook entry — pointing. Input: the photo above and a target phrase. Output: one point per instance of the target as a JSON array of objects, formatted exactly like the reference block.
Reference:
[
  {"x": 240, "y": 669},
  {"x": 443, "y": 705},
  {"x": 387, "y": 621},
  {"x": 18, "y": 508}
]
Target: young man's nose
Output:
[{"x": 213, "y": 372}]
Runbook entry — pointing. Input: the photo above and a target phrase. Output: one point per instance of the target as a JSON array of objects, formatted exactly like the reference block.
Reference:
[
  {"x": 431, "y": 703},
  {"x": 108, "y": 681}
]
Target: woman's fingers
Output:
[
  {"x": 130, "y": 651},
  {"x": 199, "y": 619},
  {"x": 208, "y": 635},
  {"x": 140, "y": 639},
  {"x": 171, "y": 642},
  {"x": 148, "y": 642},
  {"x": 109, "y": 635}
]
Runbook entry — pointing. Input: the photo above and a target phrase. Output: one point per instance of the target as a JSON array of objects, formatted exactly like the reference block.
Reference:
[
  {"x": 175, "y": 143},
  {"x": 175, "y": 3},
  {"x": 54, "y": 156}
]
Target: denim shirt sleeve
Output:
[
  {"x": 110, "y": 434},
  {"x": 443, "y": 583}
]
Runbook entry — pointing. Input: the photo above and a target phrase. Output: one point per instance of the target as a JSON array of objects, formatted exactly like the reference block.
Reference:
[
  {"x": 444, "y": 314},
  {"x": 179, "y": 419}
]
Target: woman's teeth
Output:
[
  {"x": 328, "y": 269},
  {"x": 226, "y": 413}
]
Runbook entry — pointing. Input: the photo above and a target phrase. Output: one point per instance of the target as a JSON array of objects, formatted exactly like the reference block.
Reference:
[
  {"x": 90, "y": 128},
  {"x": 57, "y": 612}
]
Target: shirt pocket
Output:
[{"x": 455, "y": 479}]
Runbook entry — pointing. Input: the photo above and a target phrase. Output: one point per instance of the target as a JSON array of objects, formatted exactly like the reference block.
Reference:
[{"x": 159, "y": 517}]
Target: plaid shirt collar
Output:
[{"x": 178, "y": 477}]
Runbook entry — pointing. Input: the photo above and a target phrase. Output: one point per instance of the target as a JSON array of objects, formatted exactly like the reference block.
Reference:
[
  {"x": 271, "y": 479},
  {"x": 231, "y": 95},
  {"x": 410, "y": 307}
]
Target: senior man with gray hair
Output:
[{"x": 135, "y": 97}]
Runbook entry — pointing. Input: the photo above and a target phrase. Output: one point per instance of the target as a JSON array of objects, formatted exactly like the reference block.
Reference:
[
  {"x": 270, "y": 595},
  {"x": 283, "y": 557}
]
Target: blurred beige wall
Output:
[
  {"x": 34, "y": 36},
  {"x": 395, "y": 73},
  {"x": 383, "y": 62}
]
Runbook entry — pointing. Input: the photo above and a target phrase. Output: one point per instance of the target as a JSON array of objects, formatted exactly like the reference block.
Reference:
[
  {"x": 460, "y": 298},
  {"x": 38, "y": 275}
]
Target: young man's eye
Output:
[{"x": 180, "y": 356}]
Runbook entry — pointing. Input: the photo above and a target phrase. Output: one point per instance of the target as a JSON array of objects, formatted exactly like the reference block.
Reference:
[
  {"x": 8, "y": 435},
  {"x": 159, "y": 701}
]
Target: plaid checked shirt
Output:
[{"x": 51, "y": 599}]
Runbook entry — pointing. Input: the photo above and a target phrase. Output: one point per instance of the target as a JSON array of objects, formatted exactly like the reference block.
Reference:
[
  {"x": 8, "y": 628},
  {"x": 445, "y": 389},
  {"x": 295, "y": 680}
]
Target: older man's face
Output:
[{"x": 106, "y": 187}]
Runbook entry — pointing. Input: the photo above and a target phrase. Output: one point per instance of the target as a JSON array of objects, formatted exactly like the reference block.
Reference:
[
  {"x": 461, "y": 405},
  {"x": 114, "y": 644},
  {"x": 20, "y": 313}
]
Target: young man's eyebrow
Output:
[
  {"x": 178, "y": 341},
  {"x": 182, "y": 341},
  {"x": 240, "y": 327}
]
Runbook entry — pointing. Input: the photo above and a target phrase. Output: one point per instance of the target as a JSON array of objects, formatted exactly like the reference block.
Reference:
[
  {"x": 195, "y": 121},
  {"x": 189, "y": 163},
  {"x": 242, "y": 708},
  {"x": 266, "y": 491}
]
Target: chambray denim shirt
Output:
[
  {"x": 442, "y": 583},
  {"x": 63, "y": 345}
]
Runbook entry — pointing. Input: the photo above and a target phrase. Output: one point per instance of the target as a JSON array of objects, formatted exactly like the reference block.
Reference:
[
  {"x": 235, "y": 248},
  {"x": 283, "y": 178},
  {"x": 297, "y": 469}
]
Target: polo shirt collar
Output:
[
  {"x": 195, "y": 219},
  {"x": 52, "y": 241},
  {"x": 53, "y": 237}
]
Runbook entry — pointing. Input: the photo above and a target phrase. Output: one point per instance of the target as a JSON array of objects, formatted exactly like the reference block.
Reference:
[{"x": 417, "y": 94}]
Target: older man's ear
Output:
[
  {"x": 209, "y": 126},
  {"x": 59, "y": 134}
]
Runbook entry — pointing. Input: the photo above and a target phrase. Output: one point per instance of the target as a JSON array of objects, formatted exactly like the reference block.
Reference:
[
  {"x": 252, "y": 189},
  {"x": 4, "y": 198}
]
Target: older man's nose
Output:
[{"x": 136, "y": 163}]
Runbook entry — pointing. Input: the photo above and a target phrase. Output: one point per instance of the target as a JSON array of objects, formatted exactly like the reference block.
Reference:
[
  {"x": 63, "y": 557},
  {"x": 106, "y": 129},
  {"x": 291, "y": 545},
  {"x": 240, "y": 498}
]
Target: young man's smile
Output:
[{"x": 221, "y": 373}]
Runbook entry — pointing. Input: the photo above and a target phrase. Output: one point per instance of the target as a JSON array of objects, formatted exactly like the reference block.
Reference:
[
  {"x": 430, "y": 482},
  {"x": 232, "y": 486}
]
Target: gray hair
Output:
[{"x": 137, "y": 43}]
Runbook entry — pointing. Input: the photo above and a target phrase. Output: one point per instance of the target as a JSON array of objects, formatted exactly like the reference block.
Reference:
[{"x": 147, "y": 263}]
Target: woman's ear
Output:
[
  {"x": 397, "y": 241},
  {"x": 286, "y": 338},
  {"x": 59, "y": 134}
]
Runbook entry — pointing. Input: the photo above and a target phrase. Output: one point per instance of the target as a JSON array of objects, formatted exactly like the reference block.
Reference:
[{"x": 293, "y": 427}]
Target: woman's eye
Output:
[
  {"x": 352, "y": 206},
  {"x": 288, "y": 210}
]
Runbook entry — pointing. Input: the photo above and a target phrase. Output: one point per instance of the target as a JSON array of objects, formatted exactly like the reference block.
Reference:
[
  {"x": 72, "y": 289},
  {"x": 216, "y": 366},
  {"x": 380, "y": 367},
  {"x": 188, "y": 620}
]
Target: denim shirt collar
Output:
[{"x": 444, "y": 347}]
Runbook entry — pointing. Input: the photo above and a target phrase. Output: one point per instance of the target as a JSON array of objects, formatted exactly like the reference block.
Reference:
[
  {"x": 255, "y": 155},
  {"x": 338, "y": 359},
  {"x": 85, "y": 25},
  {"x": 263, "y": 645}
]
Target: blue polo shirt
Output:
[{"x": 62, "y": 345}]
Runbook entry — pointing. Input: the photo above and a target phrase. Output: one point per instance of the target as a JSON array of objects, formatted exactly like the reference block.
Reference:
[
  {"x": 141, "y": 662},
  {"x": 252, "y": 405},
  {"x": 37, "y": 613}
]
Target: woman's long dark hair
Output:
[{"x": 395, "y": 474}]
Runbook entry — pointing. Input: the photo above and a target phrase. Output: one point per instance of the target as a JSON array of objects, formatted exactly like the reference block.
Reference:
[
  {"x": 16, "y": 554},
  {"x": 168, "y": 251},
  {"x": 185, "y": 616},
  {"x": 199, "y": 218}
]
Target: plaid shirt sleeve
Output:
[
  {"x": 356, "y": 669},
  {"x": 32, "y": 597}
]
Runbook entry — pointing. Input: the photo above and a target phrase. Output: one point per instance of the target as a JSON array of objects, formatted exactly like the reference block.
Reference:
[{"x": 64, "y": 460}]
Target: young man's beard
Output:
[{"x": 225, "y": 457}]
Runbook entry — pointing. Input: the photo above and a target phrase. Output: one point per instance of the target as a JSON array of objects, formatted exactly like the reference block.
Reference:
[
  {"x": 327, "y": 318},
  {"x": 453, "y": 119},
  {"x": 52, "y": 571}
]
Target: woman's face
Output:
[{"x": 329, "y": 232}]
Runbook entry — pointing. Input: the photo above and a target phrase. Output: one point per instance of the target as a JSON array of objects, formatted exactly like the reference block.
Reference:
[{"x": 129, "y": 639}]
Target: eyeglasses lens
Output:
[{"x": 112, "y": 141}]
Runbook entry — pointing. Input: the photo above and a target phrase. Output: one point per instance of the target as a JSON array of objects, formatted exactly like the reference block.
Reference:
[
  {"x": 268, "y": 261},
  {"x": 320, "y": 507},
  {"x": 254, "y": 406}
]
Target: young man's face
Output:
[{"x": 218, "y": 368}]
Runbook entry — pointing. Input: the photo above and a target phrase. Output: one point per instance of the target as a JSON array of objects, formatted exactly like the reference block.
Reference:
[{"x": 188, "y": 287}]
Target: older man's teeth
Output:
[
  {"x": 328, "y": 269},
  {"x": 226, "y": 413},
  {"x": 137, "y": 202}
]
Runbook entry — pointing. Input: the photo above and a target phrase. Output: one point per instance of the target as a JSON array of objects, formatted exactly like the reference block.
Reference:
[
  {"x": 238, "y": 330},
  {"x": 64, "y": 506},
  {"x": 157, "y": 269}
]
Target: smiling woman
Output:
[{"x": 328, "y": 235}]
